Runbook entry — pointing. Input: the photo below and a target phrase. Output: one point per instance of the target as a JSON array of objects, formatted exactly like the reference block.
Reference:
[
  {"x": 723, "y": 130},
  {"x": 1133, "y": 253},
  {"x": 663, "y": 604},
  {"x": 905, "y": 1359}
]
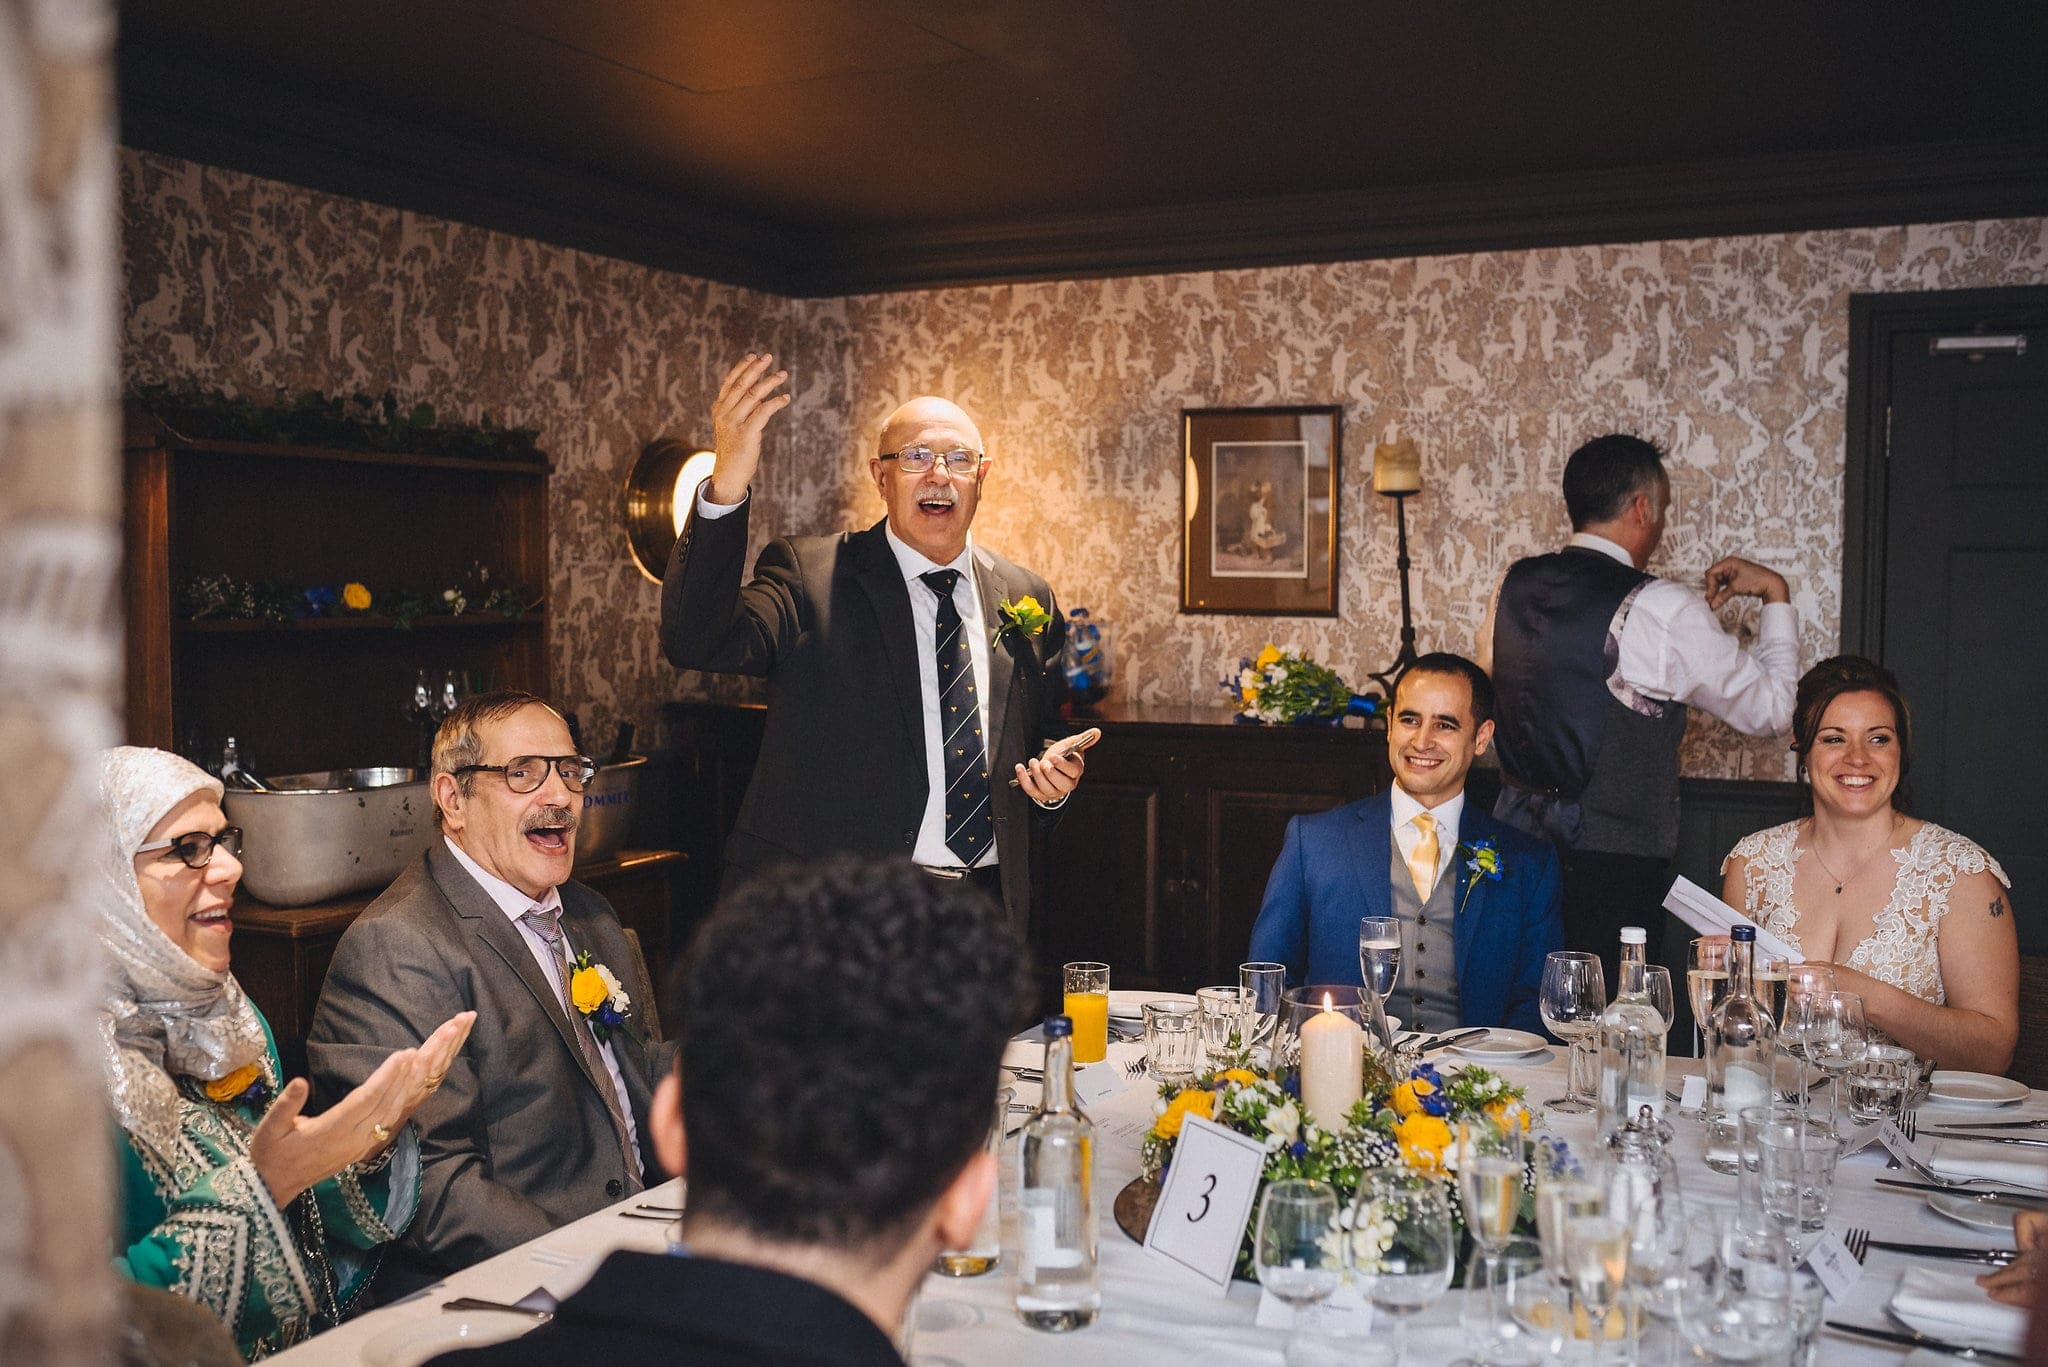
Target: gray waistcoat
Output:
[{"x": 1426, "y": 997}]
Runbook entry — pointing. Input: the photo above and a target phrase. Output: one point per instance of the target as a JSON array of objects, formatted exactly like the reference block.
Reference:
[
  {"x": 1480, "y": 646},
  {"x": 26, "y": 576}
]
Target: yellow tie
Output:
[{"x": 1422, "y": 863}]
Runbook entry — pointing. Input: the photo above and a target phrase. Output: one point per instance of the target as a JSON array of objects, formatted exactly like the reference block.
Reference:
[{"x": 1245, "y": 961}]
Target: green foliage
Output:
[{"x": 359, "y": 422}]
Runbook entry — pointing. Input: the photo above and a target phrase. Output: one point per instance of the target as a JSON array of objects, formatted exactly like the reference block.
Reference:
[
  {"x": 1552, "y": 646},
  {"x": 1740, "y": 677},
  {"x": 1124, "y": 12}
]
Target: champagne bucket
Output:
[
  {"x": 318, "y": 835},
  {"x": 608, "y": 810}
]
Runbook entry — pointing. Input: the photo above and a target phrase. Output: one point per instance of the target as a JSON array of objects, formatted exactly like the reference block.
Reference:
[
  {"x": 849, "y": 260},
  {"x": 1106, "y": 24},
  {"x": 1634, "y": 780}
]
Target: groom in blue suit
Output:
[{"x": 1477, "y": 900}]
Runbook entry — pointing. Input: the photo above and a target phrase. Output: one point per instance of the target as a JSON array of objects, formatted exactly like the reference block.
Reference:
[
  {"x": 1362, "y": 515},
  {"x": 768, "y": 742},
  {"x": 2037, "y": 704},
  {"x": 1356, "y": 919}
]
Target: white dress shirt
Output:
[
  {"x": 1673, "y": 648},
  {"x": 515, "y": 904},
  {"x": 1407, "y": 835}
]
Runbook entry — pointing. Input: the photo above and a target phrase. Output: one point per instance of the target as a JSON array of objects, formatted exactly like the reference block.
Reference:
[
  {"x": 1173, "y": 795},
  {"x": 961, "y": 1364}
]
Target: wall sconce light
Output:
[
  {"x": 1397, "y": 474},
  {"x": 658, "y": 495}
]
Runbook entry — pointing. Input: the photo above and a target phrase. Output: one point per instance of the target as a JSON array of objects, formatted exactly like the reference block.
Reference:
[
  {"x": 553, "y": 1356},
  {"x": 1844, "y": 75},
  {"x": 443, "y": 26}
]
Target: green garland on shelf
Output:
[
  {"x": 358, "y": 422},
  {"x": 224, "y": 598}
]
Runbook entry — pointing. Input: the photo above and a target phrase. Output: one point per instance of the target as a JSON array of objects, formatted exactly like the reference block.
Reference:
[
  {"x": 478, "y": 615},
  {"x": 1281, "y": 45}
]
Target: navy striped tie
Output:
[{"x": 970, "y": 827}]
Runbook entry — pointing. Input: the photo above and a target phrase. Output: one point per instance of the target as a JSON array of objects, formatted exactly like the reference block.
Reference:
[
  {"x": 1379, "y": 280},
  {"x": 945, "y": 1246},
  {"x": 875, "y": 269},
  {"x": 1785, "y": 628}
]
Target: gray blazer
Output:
[{"x": 517, "y": 1140}]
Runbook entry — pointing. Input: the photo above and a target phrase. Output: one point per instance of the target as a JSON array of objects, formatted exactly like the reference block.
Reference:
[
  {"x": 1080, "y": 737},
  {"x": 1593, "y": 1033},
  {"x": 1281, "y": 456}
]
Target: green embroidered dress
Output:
[{"x": 198, "y": 1221}]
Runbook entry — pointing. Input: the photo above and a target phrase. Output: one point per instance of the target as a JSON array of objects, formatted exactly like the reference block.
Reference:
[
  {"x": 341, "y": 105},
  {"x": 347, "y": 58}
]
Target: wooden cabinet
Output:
[
  {"x": 321, "y": 692},
  {"x": 1159, "y": 861},
  {"x": 281, "y": 954}
]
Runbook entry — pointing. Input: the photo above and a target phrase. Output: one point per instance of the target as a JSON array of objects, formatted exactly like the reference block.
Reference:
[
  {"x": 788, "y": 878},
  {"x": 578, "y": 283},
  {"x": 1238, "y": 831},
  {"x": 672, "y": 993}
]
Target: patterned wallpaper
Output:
[{"x": 1731, "y": 352}]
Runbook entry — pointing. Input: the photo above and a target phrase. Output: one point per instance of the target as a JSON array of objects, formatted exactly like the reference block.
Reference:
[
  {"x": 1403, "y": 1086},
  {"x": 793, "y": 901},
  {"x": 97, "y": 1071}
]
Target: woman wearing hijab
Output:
[{"x": 231, "y": 1195}]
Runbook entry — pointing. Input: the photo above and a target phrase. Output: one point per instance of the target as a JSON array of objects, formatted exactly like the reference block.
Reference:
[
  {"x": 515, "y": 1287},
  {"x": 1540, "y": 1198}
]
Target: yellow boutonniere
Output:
[
  {"x": 1027, "y": 615},
  {"x": 598, "y": 996},
  {"x": 245, "y": 1079}
]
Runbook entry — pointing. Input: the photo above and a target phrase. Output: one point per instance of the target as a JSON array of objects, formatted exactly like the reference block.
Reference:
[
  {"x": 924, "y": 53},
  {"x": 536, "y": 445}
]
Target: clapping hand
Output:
[
  {"x": 746, "y": 400},
  {"x": 292, "y": 1151}
]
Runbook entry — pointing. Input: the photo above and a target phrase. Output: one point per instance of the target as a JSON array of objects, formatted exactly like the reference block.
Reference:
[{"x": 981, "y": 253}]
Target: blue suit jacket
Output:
[{"x": 1335, "y": 869}]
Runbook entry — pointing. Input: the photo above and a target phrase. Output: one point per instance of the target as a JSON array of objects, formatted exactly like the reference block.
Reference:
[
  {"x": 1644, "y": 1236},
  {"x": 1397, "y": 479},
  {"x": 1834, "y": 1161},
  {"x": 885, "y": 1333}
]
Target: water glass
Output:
[
  {"x": 1749, "y": 1189},
  {"x": 1573, "y": 995},
  {"x": 1221, "y": 1011},
  {"x": 984, "y": 1250},
  {"x": 1264, "y": 984},
  {"x": 1087, "y": 1005},
  {"x": 1879, "y": 1081},
  {"x": 1293, "y": 1250},
  {"x": 1170, "y": 1040},
  {"x": 1735, "y": 1307},
  {"x": 1798, "y": 1169},
  {"x": 1807, "y": 1299}
]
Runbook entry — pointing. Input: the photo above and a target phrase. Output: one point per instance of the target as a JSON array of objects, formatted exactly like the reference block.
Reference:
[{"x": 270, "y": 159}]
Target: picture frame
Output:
[{"x": 1259, "y": 528}]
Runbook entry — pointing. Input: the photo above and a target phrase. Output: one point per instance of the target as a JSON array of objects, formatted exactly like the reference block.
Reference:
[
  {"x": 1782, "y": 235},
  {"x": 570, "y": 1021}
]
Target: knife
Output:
[
  {"x": 1988, "y": 1138},
  {"x": 2000, "y": 1256},
  {"x": 1453, "y": 1041},
  {"x": 1997, "y": 1124},
  {"x": 1921, "y": 1341},
  {"x": 2001, "y": 1198}
]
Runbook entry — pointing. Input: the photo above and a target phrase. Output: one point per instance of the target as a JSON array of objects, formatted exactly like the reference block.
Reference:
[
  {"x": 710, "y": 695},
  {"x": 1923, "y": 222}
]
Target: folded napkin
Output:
[
  {"x": 2016, "y": 1165},
  {"x": 1951, "y": 1306}
]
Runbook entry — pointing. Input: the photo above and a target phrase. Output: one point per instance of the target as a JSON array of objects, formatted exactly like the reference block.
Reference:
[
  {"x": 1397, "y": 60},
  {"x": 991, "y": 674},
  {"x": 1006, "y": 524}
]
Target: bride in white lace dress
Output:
[{"x": 1915, "y": 918}]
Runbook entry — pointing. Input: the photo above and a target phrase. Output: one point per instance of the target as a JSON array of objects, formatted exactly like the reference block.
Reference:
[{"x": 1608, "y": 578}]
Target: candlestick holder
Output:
[{"x": 1391, "y": 675}]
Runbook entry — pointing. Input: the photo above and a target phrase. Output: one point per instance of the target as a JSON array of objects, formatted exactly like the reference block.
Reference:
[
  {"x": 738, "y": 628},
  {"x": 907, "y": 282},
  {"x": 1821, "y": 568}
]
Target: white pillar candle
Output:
[{"x": 1332, "y": 1066}]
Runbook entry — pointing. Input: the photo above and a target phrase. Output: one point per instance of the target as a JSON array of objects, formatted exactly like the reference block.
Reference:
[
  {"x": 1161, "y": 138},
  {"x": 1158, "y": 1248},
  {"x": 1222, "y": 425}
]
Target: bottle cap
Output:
[
  {"x": 1633, "y": 935},
  {"x": 1742, "y": 934},
  {"x": 1058, "y": 1027}
]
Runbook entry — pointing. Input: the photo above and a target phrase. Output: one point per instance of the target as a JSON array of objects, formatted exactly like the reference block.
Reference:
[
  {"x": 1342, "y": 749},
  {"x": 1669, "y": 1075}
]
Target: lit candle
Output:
[
  {"x": 1396, "y": 466},
  {"x": 1332, "y": 1066}
]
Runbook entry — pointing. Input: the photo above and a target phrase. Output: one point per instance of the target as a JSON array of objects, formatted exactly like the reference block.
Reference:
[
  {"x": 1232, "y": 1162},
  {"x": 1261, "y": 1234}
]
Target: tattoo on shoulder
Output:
[{"x": 1997, "y": 907}]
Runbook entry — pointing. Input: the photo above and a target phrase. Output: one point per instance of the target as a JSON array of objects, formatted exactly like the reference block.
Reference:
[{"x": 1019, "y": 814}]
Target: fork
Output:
[
  {"x": 1909, "y": 1125},
  {"x": 1860, "y": 1243},
  {"x": 1135, "y": 1069}
]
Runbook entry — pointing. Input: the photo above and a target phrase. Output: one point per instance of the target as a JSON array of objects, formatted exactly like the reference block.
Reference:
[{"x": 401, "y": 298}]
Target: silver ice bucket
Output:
[
  {"x": 316, "y": 836},
  {"x": 608, "y": 810}
]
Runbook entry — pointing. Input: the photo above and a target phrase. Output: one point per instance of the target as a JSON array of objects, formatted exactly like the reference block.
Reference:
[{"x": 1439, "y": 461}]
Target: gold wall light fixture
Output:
[{"x": 658, "y": 494}]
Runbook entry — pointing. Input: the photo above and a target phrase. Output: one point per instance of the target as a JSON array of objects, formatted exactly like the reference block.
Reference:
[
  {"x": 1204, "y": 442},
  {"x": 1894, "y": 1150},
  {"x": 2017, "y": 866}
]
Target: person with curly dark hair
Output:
[{"x": 841, "y": 1026}]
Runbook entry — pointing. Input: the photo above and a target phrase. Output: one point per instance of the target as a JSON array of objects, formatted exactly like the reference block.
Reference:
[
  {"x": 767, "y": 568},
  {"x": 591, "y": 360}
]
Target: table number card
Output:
[
  {"x": 1202, "y": 1211},
  {"x": 1836, "y": 1267}
]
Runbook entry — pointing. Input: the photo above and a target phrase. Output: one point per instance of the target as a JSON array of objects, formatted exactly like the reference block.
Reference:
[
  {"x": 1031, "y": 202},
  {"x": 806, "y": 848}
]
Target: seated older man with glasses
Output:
[{"x": 543, "y": 1119}]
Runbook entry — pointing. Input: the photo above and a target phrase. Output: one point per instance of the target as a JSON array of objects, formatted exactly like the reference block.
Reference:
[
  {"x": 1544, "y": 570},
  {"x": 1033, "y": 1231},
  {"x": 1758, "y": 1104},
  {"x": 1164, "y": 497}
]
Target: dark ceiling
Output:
[{"x": 833, "y": 146}]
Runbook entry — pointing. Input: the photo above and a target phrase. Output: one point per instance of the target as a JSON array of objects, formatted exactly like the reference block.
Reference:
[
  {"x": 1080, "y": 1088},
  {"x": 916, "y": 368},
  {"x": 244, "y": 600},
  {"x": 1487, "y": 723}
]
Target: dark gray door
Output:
[{"x": 1964, "y": 618}]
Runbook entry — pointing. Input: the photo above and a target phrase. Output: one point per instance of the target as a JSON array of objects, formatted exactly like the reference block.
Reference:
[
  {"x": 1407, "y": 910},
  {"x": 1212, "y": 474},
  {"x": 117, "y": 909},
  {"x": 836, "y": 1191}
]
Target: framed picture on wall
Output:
[{"x": 1260, "y": 510}]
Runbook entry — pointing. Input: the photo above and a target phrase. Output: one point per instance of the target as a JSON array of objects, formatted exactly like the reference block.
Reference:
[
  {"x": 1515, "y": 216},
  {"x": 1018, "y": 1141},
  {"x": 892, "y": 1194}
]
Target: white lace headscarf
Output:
[{"x": 162, "y": 1013}]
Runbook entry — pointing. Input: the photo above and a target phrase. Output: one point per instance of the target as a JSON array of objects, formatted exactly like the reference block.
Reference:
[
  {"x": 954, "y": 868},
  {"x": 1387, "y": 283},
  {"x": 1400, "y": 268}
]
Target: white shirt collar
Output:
[
  {"x": 914, "y": 562},
  {"x": 510, "y": 900},
  {"x": 1612, "y": 550},
  {"x": 1447, "y": 812}
]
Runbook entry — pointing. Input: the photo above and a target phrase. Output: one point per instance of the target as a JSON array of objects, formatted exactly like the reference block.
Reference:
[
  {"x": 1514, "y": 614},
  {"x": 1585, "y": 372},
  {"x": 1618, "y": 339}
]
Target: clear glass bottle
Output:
[
  {"x": 1631, "y": 1043},
  {"x": 1742, "y": 1051},
  {"x": 1057, "y": 1286}
]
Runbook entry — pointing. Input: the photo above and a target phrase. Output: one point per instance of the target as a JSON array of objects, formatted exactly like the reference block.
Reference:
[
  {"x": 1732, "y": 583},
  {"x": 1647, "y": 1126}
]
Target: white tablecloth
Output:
[{"x": 1158, "y": 1312}]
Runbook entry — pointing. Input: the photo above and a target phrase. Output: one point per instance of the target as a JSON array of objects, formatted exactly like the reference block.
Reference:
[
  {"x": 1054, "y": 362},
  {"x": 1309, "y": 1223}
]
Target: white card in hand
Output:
[
  {"x": 1200, "y": 1218},
  {"x": 1832, "y": 1262}
]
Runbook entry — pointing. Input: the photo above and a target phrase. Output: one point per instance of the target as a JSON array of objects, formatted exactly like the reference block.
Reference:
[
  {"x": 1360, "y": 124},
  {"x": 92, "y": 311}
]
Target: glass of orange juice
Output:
[{"x": 1087, "y": 1006}]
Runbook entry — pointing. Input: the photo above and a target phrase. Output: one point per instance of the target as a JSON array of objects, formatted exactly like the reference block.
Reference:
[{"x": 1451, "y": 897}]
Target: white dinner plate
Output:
[
  {"x": 1502, "y": 1043},
  {"x": 412, "y": 1343},
  {"x": 1128, "y": 1006},
  {"x": 1974, "y": 1089},
  {"x": 1985, "y": 1215}
]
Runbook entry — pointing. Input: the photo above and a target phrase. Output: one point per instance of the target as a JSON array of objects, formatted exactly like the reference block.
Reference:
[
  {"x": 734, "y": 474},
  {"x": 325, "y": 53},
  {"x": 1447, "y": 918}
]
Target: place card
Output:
[
  {"x": 1096, "y": 1083},
  {"x": 1832, "y": 1262},
  {"x": 1905, "y": 1150},
  {"x": 1856, "y": 1138},
  {"x": 1692, "y": 1096},
  {"x": 1200, "y": 1218},
  {"x": 1346, "y": 1314}
]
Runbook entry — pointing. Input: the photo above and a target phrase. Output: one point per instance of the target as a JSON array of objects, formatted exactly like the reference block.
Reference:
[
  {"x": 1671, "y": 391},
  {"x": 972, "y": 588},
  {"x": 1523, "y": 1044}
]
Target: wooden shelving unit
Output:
[{"x": 329, "y": 692}]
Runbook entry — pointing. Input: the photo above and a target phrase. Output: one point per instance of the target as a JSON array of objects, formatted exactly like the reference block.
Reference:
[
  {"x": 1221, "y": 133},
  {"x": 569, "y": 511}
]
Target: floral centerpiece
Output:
[
  {"x": 1412, "y": 1122},
  {"x": 1284, "y": 687}
]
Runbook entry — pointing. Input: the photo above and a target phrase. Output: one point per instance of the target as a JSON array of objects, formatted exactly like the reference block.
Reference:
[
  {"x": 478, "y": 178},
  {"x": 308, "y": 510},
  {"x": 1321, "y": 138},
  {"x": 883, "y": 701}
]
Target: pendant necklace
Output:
[{"x": 1864, "y": 863}]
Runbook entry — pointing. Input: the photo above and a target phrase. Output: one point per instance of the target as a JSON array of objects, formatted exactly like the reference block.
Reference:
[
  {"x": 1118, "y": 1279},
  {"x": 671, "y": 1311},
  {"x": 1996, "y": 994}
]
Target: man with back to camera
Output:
[
  {"x": 841, "y": 1028},
  {"x": 1472, "y": 943},
  {"x": 906, "y": 707},
  {"x": 543, "y": 1118},
  {"x": 1595, "y": 662}
]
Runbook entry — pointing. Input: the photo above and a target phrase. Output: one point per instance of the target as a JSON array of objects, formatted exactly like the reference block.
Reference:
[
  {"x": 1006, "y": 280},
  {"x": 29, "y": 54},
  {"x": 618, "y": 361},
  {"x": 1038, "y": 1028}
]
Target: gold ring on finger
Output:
[
  {"x": 382, "y": 1131},
  {"x": 435, "y": 1081}
]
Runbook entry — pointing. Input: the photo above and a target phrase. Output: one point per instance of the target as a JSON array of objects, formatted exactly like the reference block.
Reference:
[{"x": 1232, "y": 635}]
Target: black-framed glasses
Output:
[
  {"x": 195, "y": 848},
  {"x": 915, "y": 460},
  {"x": 524, "y": 773}
]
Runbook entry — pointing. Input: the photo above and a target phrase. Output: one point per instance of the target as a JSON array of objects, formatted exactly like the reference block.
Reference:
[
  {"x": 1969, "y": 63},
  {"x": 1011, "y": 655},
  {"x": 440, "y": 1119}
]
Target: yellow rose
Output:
[
  {"x": 1027, "y": 606},
  {"x": 587, "y": 990},
  {"x": 1268, "y": 657},
  {"x": 1408, "y": 1096},
  {"x": 1509, "y": 1114},
  {"x": 355, "y": 597},
  {"x": 234, "y": 1084},
  {"x": 1424, "y": 1140},
  {"x": 1193, "y": 1101},
  {"x": 1244, "y": 1075}
]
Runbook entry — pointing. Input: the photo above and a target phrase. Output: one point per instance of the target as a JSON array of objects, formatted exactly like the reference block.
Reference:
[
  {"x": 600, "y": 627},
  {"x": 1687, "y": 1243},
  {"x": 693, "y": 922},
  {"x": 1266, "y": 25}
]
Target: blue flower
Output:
[
  {"x": 320, "y": 601},
  {"x": 1299, "y": 1148},
  {"x": 1291, "y": 1084},
  {"x": 1485, "y": 860}
]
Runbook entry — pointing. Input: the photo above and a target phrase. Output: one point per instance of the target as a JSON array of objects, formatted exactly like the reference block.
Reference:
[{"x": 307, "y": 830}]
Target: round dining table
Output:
[{"x": 1154, "y": 1310}]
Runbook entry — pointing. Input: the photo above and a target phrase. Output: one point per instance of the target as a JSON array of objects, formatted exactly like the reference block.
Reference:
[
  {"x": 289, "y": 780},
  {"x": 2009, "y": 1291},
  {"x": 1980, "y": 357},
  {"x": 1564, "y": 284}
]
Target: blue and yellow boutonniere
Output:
[
  {"x": 598, "y": 996},
  {"x": 1483, "y": 859},
  {"x": 1027, "y": 615}
]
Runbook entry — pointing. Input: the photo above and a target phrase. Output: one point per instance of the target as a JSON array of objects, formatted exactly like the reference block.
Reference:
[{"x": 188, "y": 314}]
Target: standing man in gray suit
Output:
[
  {"x": 543, "y": 1118},
  {"x": 909, "y": 694}
]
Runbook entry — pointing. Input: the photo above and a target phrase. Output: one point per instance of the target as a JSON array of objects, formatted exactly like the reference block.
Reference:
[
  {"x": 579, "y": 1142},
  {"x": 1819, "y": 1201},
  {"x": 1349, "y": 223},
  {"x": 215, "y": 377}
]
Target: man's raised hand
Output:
[{"x": 745, "y": 402}]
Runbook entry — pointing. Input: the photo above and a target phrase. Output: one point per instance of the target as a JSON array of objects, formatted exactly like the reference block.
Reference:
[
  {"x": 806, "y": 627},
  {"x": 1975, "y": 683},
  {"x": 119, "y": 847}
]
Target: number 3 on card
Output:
[{"x": 1200, "y": 1217}]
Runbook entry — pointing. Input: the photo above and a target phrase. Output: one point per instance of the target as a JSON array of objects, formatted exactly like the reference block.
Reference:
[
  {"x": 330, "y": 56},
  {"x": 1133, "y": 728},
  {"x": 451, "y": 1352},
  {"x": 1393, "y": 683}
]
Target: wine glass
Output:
[
  {"x": 1837, "y": 1039},
  {"x": 1657, "y": 986},
  {"x": 1574, "y": 994},
  {"x": 1401, "y": 1244},
  {"x": 1802, "y": 1019},
  {"x": 1294, "y": 1250},
  {"x": 1706, "y": 982},
  {"x": 1379, "y": 954}
]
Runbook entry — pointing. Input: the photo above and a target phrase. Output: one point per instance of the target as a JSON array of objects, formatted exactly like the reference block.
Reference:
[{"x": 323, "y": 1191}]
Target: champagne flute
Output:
[
  {"x": 1379, "y": 954},
  {"x": 1263, "y": 984},
  {"x": 1706, "y": 982},
  {"x": 1574, "y": 994},
  {"x": 1293, "y": 1251},
  {"x": 1489, "y": 1159},
  {"x": 1595, "y": 1222},
  {"x": 1401, "y": 1244}
]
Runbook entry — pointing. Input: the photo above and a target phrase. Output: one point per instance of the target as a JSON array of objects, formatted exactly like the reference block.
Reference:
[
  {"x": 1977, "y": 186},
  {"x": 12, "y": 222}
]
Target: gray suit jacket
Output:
[{"x": 517, "y": 1140}]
